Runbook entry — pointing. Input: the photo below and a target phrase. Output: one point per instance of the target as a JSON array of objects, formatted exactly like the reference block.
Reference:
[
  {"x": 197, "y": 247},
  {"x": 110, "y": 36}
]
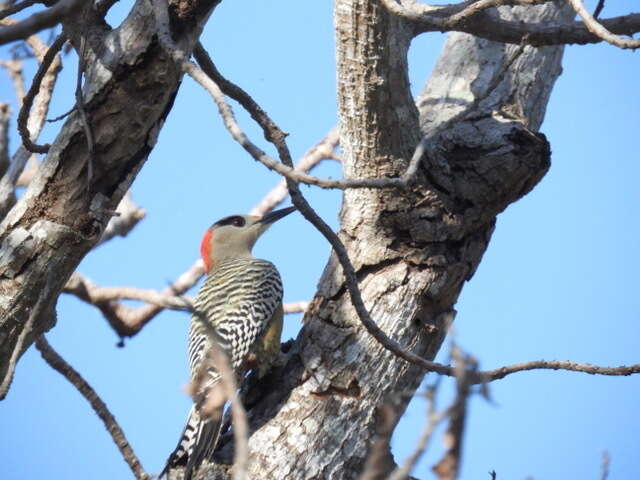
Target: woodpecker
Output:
[{"x": 241, "y": 301}]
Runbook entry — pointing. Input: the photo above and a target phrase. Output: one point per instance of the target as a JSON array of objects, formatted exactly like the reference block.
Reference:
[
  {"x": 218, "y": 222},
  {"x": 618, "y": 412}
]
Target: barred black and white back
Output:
[{"x": 238, "y": 300}]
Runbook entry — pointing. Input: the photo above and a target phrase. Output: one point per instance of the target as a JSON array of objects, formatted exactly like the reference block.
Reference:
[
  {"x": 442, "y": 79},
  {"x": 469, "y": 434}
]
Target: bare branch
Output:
[
  {"x": 16, "y": 7},
  {"x": 49, "y": 69},
  {"x": 600, "y": 31},
  {"x": 38, "y": 21},
  {"x": 499, "y": 373},
  {"x": 295, "y": 307},
  {"x": 598, "y": 9},
  {"x": 129, "y": 215},
  {"x": 475, "y": 7},
  {"x": 206, "y": 80},
  {"x": 127, "y": 321},
  {"x": 61, "y": 366},
  {"x": 471, "y": 17},
  {"x": 319, "y": 152}
]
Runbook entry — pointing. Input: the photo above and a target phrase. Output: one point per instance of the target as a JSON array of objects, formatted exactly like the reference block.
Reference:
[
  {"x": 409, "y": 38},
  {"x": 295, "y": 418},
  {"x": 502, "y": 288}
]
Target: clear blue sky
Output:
[{"x": 558, "y": 280}]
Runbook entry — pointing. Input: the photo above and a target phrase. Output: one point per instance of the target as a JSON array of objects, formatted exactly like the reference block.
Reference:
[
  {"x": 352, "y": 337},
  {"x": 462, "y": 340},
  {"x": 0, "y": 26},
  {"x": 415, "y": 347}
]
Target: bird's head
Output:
[{"x": 235, "y": 236}]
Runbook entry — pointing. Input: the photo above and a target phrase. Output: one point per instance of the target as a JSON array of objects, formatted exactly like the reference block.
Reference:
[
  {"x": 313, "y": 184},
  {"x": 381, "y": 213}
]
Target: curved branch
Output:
[
  {"x": 34, "y": 89},
  {"x": 17, "y": 7},
  {"x": 207, "y": 77},
  {"x": 117, "y": 435}
]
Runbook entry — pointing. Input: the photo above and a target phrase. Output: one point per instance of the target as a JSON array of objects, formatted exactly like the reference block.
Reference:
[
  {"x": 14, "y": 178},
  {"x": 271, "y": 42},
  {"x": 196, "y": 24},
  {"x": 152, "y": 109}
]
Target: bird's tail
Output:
[{"x": 197, "y": 443}]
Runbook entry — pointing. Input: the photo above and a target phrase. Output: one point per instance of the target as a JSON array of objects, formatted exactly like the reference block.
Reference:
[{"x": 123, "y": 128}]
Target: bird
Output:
[{"x": 241, "y": 303}]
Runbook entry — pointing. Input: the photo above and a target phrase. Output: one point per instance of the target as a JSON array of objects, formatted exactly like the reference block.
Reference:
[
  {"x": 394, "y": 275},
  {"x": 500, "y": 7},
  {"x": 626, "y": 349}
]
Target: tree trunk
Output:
[
  {"x": 130, "y": 84},
  {"x": 315, "y": 418}
]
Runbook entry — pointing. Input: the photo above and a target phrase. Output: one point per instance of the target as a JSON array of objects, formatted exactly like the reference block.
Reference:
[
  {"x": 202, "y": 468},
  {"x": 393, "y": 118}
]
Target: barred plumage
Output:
[
  {"x": 238, "y": 300},
  {"x": 241, "y": 301}
]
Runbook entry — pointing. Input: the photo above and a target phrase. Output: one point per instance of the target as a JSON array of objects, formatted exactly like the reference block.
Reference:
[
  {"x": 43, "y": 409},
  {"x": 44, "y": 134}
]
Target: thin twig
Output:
[
  {"x": 206, "y": 78},
  {"x": 61, "y": 366},
  {"x": 62, "y": 116},
  {"x": 319, "y": 152},
  {"x": 598, "y": 9},
  {"x": 38, "y": 21},
  {"x": 600, "y": 31},
  {"x": 475, "y": 7},
  {"x": 34, "y": 89}
]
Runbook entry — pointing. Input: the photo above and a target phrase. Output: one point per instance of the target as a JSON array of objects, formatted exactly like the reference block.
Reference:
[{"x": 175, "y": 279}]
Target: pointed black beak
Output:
[{"x": 276, "y": 215}]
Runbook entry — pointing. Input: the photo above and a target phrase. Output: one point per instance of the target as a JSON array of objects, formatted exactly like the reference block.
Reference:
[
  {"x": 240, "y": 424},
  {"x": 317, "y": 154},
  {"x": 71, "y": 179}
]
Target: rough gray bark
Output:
[
  {"x": 130, "y": 85},
  {"x": 315, "y": 417}
]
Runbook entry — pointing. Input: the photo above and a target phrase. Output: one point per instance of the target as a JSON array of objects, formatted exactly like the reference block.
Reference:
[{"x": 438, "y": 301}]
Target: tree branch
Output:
[
  {"x": 17, "y": 7},
  {"x": 31, "y": 123},
  {"x": 319, "y": 152},
  {"x": 600, "y": 31},
  {"x": 206, "y": 78},
  {"x": 472, "y": 18},
  {"x": 38, "y": 21},
  {"x": 117, "y": 435},
  {"x": 50, "y": 66}
]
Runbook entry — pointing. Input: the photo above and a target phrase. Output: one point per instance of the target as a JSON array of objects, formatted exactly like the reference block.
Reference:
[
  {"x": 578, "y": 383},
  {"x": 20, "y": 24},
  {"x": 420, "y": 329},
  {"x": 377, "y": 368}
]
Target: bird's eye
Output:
[{"x": 238, "y": 222}]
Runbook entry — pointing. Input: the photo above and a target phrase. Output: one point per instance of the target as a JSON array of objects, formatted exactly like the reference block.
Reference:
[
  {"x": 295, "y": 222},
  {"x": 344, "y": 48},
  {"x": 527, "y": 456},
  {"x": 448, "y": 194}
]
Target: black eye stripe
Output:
[{"x": 235, "y": 220}]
